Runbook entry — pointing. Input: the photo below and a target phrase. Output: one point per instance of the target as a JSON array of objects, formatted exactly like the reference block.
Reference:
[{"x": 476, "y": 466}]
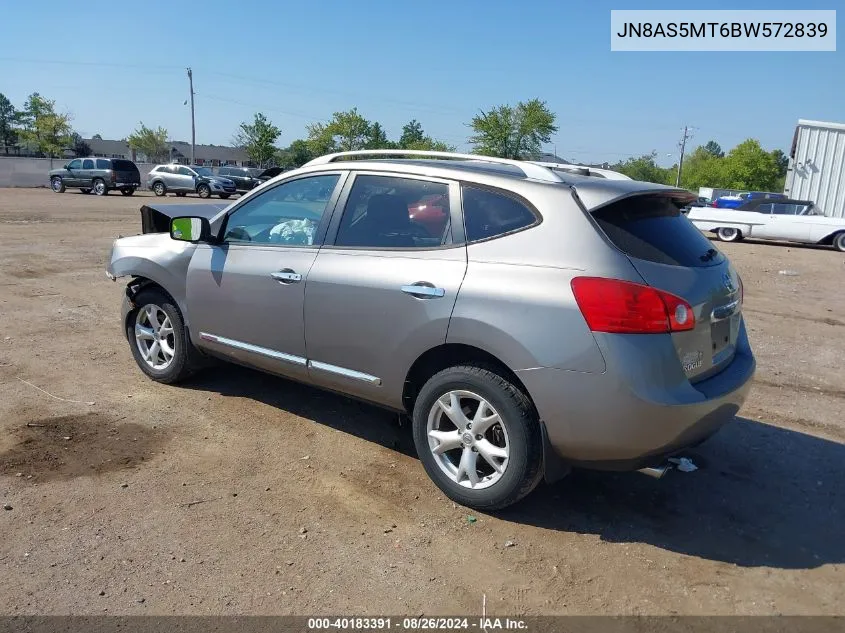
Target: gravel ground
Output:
[{"x": 241, "y": 493}]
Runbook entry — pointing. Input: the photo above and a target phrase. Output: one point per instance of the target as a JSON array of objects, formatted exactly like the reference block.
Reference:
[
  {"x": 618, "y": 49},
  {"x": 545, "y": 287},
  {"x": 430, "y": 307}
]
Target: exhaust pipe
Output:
[{"x": 656, "y": 471}]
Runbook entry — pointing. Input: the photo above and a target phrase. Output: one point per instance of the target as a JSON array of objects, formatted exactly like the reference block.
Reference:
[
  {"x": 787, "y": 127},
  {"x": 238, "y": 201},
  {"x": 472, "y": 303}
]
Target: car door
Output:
[
  {"x": 245, "y": 294},
  {"x": 382, "y": 289},
  {"x": 184, "y": 179},
  {"x": 784, "y": 224},
  {"x": 74, "y": 170},
  {"x": 86, "y": 174},
  {"x": 762, "y": 217}
]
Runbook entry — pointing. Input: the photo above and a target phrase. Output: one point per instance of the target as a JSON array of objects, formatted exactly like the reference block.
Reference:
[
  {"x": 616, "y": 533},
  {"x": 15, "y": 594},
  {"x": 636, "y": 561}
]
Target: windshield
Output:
[{"x": 203, "y": 171}]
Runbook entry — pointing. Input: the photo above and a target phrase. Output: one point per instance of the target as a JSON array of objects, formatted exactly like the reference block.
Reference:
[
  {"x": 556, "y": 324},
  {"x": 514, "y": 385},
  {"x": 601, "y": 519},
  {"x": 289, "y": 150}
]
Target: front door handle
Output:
[
  {"x": 286, "y": 276},
  {"x": 423, "y": 290}
]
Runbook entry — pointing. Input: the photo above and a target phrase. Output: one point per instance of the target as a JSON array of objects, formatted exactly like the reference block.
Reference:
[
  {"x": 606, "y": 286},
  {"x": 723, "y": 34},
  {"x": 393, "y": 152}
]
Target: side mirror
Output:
[
  {"x": 67, "y": 167},
  {"x": 190, "y": 229}
]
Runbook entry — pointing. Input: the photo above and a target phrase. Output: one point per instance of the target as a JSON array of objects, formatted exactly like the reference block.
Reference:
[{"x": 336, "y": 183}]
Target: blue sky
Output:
[{"x": 111, "y": 65}]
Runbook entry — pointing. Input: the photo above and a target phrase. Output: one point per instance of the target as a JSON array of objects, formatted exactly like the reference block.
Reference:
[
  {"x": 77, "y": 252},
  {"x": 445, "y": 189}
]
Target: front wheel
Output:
[
  {"x": 57, "y": 184},
  {"x": 478, "y": 437},
  {"x": 159, "y": 189},
  {"x": 100, "y": 188},
  {"x": 727, "y": 234},
  {"x": 839, "y": 242},
  {"x": 157, "y": 336},
  {"x": 127, "y": 191},
  {"x": 204, "y": 191}
]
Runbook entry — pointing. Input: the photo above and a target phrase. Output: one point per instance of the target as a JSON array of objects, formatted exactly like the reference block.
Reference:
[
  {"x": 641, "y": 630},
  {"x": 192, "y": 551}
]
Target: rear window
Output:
[
  {"x": 123, "y": 165},
  {"x": 654, "y": 229}
]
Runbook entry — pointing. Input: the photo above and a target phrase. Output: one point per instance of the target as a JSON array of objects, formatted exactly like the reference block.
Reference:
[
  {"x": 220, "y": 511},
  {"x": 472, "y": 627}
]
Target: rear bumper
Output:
[{"x": 621, "y": 420}]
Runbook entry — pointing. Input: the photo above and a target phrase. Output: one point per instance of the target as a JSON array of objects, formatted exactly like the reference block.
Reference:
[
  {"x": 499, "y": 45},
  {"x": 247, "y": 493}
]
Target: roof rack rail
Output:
[
  {"x": 532, "y": 170},
  {"x": 579, "y": 169}
]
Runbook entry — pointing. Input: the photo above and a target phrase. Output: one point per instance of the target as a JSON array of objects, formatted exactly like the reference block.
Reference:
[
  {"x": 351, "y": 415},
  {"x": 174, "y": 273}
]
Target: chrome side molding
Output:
[
  {"x": 343, "y": 371},
  {"x": 255, "y": 349}
]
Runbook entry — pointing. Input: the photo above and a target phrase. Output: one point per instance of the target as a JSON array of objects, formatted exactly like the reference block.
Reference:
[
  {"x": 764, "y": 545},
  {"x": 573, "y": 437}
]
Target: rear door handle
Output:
[
  {"x": 423, "y": 290},
  {"x": 286, "y": 276}
]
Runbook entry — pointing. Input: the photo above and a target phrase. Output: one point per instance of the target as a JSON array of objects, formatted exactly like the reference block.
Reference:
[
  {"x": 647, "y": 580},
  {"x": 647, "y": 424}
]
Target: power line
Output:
[{"x": 683, "y": 145}]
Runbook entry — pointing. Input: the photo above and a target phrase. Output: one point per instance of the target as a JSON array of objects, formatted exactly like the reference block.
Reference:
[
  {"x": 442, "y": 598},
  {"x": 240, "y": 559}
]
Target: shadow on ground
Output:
[{"x": 764, "y": 496}]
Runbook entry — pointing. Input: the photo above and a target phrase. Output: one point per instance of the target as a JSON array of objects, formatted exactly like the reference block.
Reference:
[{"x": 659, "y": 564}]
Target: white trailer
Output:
[{"x": 817, "y": 166}]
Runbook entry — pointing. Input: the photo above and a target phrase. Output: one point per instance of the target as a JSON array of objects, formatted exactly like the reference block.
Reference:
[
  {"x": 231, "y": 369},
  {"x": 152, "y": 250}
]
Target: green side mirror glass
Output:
[{"x": 189, "y": 229}]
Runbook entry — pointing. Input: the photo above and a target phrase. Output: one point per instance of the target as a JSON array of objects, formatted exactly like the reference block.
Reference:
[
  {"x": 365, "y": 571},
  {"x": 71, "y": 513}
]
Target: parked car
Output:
[
  {"x": 768, "y": 219},
  {"x": 269, "y": 174},
  {"x": 245, "y": 178},
  {"x": 734, "y": 202},
  {"x": 99, "y": 175},
  {"x": 182, "y": 180},
  {"x": 549, "y": 320}
]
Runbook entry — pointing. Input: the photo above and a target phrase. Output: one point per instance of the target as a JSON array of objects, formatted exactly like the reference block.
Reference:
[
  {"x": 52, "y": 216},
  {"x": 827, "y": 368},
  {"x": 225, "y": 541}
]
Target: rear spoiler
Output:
[{"x": 155, "y": 218}]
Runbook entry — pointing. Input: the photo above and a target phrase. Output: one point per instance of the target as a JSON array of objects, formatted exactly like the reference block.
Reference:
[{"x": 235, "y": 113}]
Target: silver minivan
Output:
[{"x": 527, "y": 318}]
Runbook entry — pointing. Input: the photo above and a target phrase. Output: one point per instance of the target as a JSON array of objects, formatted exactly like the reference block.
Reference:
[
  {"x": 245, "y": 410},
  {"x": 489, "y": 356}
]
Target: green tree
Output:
[
  {"x": 9, "y": 117},
  {"x": 377, "y": 138},
  {"x": 714, "y": 149},
  {"x": 431, "y": 145},
  {"x": 150, "y": 142},
  {"x": 44, "y": 130},
  {"x": 702, "y": 168},
  {"x": 79, "y": 146},
  {"x": 347, "y": 131},
  {"x": 258, "y": 139},
  {"x": 513, "y": 131},
  {"x": 98, "y": 137},
  {"x": 295, "y": 155},
  {"x": 645, "y": 168},
  {"x": 412, "y": 134},
  {"x": 748, "y": 166}
]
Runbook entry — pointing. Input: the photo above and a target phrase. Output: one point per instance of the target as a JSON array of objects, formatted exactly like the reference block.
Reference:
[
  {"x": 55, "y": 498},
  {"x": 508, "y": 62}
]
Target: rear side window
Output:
[
  {"x": 489, "y": 213},
  {"x": 123, "y": 165},
  {"x": 654, "y": 229},
  {"x": 87, "y": 164},
  {"x": 103, "y": 164}
]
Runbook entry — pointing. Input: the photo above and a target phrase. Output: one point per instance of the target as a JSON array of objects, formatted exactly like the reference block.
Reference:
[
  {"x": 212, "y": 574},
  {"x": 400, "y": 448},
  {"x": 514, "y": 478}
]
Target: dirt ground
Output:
[{"x": 243, "y": 493}]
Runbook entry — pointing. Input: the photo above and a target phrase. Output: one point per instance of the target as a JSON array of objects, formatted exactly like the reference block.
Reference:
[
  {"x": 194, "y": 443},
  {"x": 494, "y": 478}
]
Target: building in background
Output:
[
  {"x": 180, "y": 152},
  {"x": 817, "y": 166}
]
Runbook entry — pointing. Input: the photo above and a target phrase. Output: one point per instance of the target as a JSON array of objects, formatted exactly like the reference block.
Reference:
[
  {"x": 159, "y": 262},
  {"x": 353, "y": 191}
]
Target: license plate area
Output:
[{"x": 723, "y": 334}]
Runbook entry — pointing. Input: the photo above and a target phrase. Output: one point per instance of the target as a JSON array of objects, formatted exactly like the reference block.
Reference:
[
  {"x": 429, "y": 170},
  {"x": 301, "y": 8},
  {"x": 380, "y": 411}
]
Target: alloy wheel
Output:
[
  {"x": 154, "y": 337},
  {"x": 463, "y": 427}
]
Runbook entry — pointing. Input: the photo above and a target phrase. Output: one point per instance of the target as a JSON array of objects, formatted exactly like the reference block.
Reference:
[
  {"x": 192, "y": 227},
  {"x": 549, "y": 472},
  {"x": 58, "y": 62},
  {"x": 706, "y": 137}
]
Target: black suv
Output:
[
  {"x": 245, "y": 178},
  {"x": 99, "y": 175}
]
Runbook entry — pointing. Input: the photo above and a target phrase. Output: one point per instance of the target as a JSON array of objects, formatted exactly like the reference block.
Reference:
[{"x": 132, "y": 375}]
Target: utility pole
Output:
[
  {"x": 193, "y": 126},
  {"x": 683, "y": 145}
]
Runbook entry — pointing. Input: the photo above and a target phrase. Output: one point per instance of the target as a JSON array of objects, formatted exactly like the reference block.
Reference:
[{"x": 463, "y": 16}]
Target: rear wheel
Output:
[
  {"x": 159, "y": 189},
  {"x": 839, "y": 242},
  {"x": 204, "y": 191},
  {"x": 127, "y": 191},
  {"x": 478, "y": 437},
  {"x": 727, "y": 234},
  {"x": 57, "y": 184},
  {"x": 100, "y": 187},
  {"x": 158, "y": 339}
]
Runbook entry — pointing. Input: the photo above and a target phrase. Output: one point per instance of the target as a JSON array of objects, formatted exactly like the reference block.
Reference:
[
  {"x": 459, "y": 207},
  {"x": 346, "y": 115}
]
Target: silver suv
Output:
[
  {"x": 182, "y": 180},
  {"x": 527, "y": 318}
]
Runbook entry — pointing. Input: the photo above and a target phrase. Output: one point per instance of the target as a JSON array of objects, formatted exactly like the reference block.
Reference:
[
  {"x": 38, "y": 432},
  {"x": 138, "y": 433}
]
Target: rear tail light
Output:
[{"x": 624, "y": 307}]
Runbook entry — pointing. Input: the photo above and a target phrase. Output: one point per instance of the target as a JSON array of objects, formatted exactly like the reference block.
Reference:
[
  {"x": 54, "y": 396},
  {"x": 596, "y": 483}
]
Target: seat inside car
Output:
[{"x": 386, "y": 224}]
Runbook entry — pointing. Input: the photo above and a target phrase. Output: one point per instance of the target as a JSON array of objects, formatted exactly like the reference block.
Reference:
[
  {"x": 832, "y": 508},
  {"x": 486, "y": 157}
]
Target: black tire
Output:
[
  {"x": 225, "y": 196},
  {"x": 159, "y": 188},
  {"x": 57, "y": 184},
  {"x": 127, "y": 191},
  {"x": 727, "y": 234},
  {"x": 85, "y": 191},
  {"x": 519, "y": 418},
  {"x": 100, "y": 188},
  {"x": 186, "y": 358},
  {"x": 203, "y": 190},
  {"x": 839, "y": 242}
]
